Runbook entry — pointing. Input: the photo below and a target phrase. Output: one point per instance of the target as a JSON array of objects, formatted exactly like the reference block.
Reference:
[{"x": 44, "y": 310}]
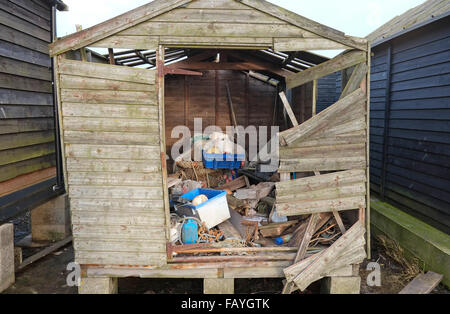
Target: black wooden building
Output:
[
  {"x": 28, "y": 158},
  {"x": 410, "y": 112}
]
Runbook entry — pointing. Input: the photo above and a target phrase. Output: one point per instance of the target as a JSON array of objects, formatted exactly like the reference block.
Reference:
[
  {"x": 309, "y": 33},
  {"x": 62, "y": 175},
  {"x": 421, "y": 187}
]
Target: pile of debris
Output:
[{"x": 230, "y": 204}]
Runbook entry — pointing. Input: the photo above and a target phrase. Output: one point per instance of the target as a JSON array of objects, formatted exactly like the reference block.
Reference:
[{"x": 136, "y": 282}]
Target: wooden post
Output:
[
  {"x": 93, "y": 285},
  {"x": 160, "y": 57},
  {"x": 218, "y": 286},
  {"x": 6, "y": 256},
  {"x": 111, "y": 56},
  {"x": 83, "y": 54}
]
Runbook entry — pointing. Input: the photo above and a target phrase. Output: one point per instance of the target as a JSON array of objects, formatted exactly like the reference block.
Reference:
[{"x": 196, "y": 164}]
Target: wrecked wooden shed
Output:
[{"x": 115, "y": 121}]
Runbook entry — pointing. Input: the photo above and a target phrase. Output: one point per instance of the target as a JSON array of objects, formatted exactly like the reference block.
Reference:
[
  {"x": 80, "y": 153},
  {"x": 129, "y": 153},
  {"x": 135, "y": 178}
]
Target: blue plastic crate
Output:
[{"x": 223, "y": 161}]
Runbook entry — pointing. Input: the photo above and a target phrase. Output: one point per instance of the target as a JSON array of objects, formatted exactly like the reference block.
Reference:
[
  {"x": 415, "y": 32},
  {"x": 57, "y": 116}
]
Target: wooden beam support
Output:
[
  {"x": 111, "y": 56},
  {"x": 168, "y": 70},
  {"x": 288, "y": 109},
  {"x": 339, "y": 63},
  {"x": 358, "y": 75}
]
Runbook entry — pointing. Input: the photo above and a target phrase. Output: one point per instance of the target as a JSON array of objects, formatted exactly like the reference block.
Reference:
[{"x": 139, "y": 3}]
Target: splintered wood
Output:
[
  {"x": 336, "y": 191},
  {"x": 347, "y": 250}
]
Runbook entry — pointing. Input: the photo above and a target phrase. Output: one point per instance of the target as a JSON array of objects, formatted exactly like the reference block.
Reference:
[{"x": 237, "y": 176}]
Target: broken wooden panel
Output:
[
  {"x": 347, "y": 250},
  {"x": 113, "y": 163},
  {"x": 336, "y": 191},
  {"x": 335, "y": 139}
]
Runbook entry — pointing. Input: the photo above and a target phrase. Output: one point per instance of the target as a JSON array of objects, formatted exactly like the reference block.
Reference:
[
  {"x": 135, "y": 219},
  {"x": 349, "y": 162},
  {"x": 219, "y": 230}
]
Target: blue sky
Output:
[{"x": 354, "y": 17}]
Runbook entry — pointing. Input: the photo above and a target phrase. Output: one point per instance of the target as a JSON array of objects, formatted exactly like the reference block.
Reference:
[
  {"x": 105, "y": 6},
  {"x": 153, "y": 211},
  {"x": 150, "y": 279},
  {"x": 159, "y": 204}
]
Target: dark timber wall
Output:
[
  {"x": 189, "y": 97},
  {"x": 410, "y": 122},
  {"x": 27, "y": 138}
]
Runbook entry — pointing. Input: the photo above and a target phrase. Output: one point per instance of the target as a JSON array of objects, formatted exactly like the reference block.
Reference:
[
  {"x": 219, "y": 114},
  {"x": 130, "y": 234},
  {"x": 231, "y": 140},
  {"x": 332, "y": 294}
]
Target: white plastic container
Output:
[{"x": 212, "y": 212}]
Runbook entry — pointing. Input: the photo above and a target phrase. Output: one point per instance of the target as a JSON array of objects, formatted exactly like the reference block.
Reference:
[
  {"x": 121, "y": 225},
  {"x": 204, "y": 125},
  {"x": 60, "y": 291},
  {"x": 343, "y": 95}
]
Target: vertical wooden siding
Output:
[
  {"x": 418, "y": 149},
  {"x": 26, "y": 101},
  {"x": 112, "y": 137}
]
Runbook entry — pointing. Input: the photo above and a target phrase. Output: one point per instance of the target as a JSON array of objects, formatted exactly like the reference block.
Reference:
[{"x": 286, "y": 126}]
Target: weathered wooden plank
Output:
[
  {"x": 356, "y": 189},
  {"x": 23, "y": 54},
  {"x": 217, "y": 16},
  {"x": 101, "y": 232},
  {"x": 105, "y": 96},
  {"x": 113, "y": 26},
  {"x": 307, "y": 24},
  {"x": 107, "y": 165},
  {"x": 24, "y": 83},
  {"x": 25, "y": 15},
  {"x": 339, "y": 63},
  {"x": 24, "y": 26},
  {"x": 244, "y": 42},
  {"x": 117, "y": 219},
  {"x": 423, "y": 283},
  {"x": 323, "y": 164},
  {"x": 313, "y": 269},
  {"x": 359, "y": 73},
  {"x": 114, "y": 179},
  {"x": 110, "y": 124},
  {"x": 129, "y": 42},
  {"x": 115, "y": 192},
  {"x": 330, "y": 151},
  {"x": 117, "y": 205},
  {"x": 24, "y": 153},
  {"x": 321, "y": 182},
  {"x": 26, "y": 180},
  {"x": 18, "y": 38},
  {"x": 321, "y": 206},
  {"x": 16, "y": 97},
  {"x": 33, "y": 7},
  {"x": 87, "y": 83},
  {"x": 323, "y": 119},
  {"x": 20, "y": 112},
  {"x": 24, "y": 69},
  {"x": 211, "y": 29},
  {"x": 25, "y": 139},
  {"x": 120, "y": 258},
  {"x": 145, "y": 246},
  {"x": 216, "y": 4},
  {"x": 253, "y": 272},
  {"x": 148, "y": 113},
  {"x": 329, "y": 141},
  {"x": 9, "y": 126},
  {"x": 110, "y": 138},
  {"x": 302, "y": 44},
  {"x": 130, "y": 152},
  {"x": 317, "y": 269},
  {"x": 107, "y": 72},
  {"x": 14, "y": 170},
  {"x": 288, "y": 108}
]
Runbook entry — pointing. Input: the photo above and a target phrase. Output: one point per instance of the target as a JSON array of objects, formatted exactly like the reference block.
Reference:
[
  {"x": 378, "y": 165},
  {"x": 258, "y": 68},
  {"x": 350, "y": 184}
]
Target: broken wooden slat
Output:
[
  {"x": 423, "y": 283},
  {"x": 359, "y": 73},
  {"x": 288, "y": 108},
  {"x": 325, "y": 119},
  {"x": 276, "y": 229},
  {"x": 315, "y": 270},
  {"x": 229, "y": 231},
  {"x": 339, "y": 63},
  {"x": 44, "y": 252},
  {"x": 310, "y": 229}
]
